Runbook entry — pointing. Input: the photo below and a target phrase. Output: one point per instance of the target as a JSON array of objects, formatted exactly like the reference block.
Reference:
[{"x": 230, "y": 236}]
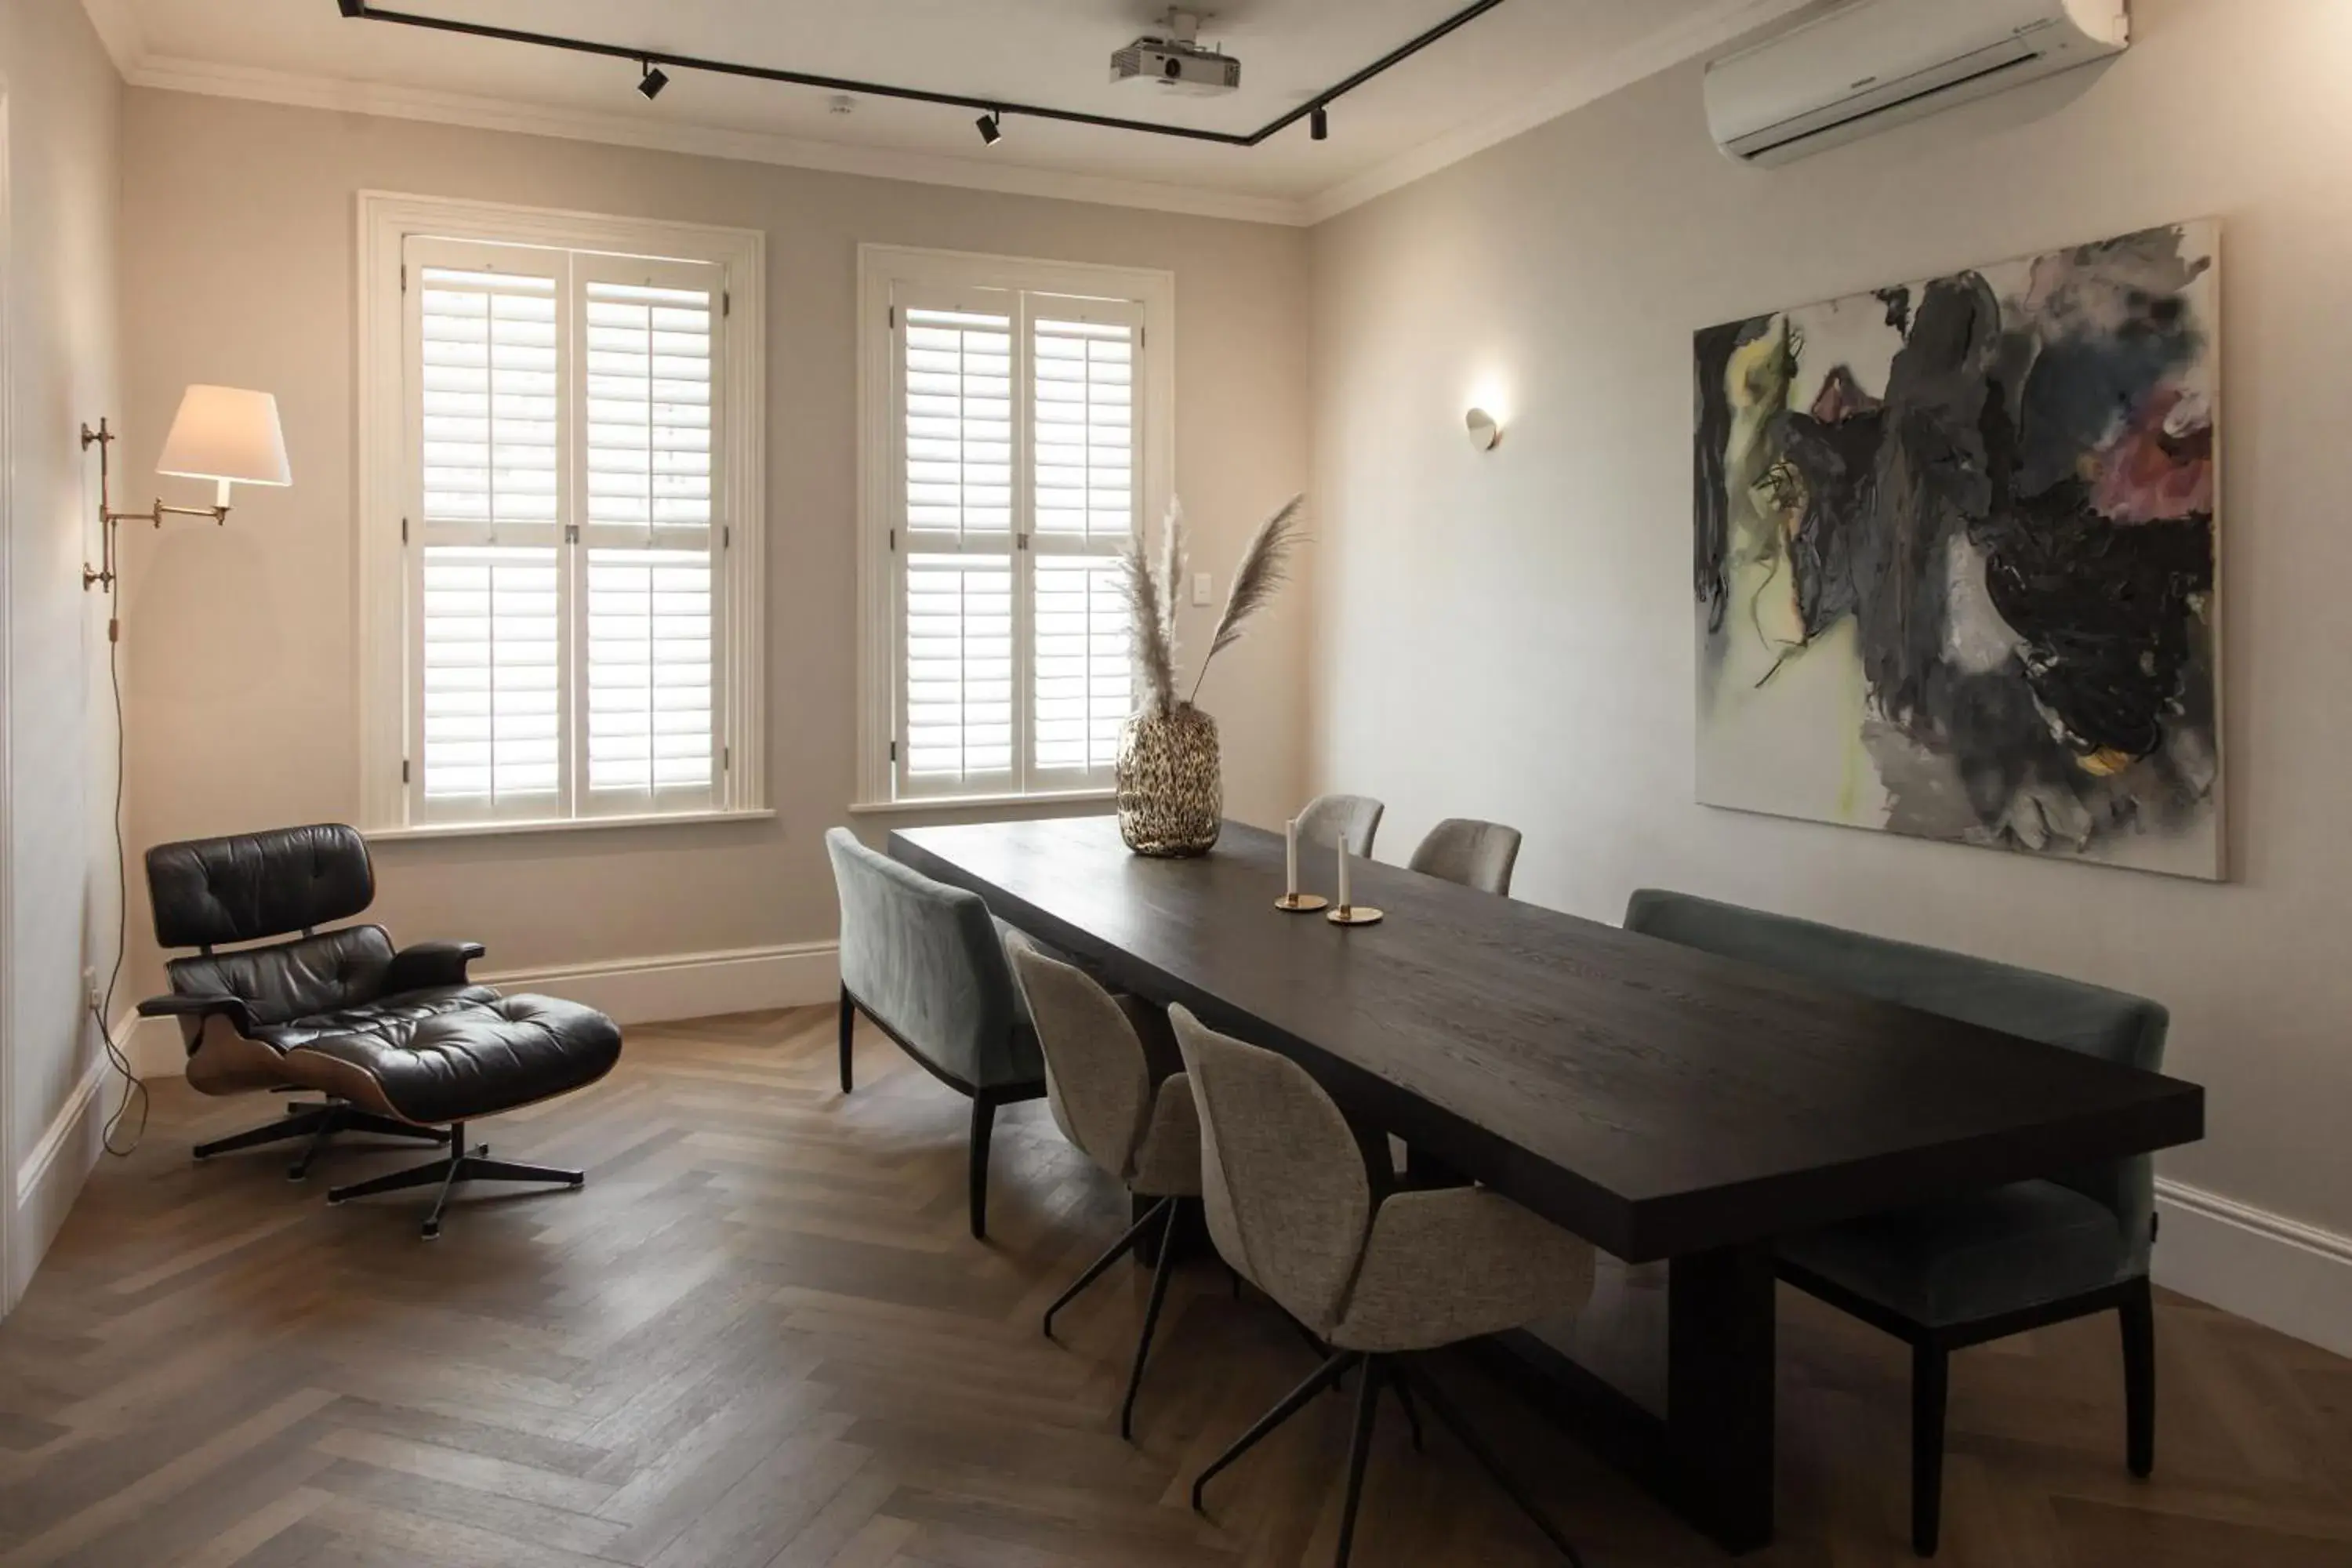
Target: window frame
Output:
[
  {"x": 389, "y": 775},
  {"x": 885, "y": 275}
]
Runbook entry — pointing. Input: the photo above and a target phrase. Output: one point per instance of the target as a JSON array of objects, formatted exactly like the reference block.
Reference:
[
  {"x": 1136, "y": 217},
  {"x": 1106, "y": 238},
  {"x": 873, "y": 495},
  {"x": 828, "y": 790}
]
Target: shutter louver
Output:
[
  {"x": 490, "y": 391},
  {"x": 958, "y": 665},
  {"x": 1085, "y": 429},
  {"x": 492, "y": 643},
  {"x": 1082, "y": 658},
  {"x": 648, "y": 413},
  {"x": 649, "y": 647},
  {"x": 959, "y": 383}
]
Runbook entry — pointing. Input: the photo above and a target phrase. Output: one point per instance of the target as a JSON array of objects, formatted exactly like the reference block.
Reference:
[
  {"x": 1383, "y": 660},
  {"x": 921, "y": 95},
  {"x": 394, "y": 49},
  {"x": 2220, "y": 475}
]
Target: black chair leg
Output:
[
  {"x": 1404, "y": 1392},
  {"x": 983, "y": 1124},
  {"x": 1165, "y": 1266},
  {"x": 1360, "y": 1451},
  {"x": 461, "y": 1165},
  {"x": 1453, "y": 1421},
  {"x": 1291, "y": 1403},
  {"x": 1119, "y": 1249},
  {"x": 2138, "y": 1315},
  {"x": 848, "y": 1035},
  {"x": 1930, "y": 1383}
]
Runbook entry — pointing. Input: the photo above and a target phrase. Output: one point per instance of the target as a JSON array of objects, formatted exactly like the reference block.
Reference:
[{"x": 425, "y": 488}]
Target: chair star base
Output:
[
  {"x": 469, "y": 1164},
  {"x": 319, "y": 1123}
]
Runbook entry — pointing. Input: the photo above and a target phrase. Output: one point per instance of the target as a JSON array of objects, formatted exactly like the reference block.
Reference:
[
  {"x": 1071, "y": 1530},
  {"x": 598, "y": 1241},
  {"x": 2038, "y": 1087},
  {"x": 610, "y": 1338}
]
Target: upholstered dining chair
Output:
[
  {"x": 1475, "y": 854},
  {"x": 1329, "y": 817},
  {"x": 926, "y": 962},
  {"x": 1291, "y": 1207},
  {"x": 1147, "y": 1136},
  {"x": 1981, "y": 1267}
]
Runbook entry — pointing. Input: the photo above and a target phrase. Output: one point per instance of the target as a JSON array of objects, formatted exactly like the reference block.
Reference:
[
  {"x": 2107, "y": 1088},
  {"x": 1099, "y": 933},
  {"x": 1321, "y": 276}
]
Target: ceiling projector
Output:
[{"x": 1177, "y": 60}]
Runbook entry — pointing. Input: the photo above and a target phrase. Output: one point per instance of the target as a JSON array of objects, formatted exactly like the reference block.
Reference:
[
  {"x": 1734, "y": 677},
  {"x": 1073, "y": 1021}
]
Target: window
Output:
[
  {"x": 1016, "y": 429},
  {"x": 561, "y": 539}
]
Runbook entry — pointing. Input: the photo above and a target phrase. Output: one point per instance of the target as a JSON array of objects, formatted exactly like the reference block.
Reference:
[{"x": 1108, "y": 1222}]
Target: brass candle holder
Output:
[
  {"x": 1301, "y": 903},
  {"x": 1356, "y": 915}
]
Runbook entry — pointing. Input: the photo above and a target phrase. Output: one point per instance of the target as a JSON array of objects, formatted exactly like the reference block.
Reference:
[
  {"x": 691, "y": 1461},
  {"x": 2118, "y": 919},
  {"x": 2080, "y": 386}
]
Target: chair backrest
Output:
[
  {"x": 249, "y": 887},
  {"x": 1475, "y": 854},
  {"x": 1328, "y": 816},
  {"x": 2110, "y": 1025},
  {"x": 1098, "y": 1078},
  {"x": 1288, "y": 1199},
  {"x": 925, "y": 961}
]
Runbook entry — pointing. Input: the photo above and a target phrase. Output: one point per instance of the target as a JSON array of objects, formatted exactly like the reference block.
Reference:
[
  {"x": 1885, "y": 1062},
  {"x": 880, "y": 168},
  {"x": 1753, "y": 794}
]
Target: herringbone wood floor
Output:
[{"x": 761, "y": 1337}]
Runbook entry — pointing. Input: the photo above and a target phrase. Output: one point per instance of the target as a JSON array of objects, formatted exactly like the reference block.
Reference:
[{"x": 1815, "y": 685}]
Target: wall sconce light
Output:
[
  {"x": 1486, "y": 430},
  {"x": 222, "y": 434}
]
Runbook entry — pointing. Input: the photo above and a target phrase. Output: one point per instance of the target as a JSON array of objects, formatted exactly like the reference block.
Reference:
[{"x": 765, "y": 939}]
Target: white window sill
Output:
[
  {"x": 981, "y": 802},
  {"x": 562, "y": 825}
]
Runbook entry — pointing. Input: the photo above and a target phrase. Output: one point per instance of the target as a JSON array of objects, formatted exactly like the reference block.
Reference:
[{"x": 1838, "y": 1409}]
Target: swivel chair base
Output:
[
  {"x": 318, "y": 1123},
  {"x": 463, "y": 1165}
]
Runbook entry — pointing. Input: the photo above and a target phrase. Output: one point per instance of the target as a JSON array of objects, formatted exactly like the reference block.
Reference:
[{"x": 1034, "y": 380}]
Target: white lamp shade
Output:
[{"x": 226, "y": 433}]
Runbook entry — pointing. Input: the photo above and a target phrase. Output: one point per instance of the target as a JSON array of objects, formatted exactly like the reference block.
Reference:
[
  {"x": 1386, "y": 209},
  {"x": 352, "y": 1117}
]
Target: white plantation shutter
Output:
[
  {"x": 563, "y": 624},
  {"x": 1016, "y": 481}
]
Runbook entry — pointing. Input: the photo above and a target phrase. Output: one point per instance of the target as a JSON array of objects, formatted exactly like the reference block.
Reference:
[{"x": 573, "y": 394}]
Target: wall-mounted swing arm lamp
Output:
[{"x": 223, "y": 434}]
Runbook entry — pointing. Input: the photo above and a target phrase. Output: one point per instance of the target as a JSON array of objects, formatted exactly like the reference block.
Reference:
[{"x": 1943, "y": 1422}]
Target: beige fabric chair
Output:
[
  {"x": 1475, "y": 854},
  {"x": 1327, "y": 816},
  {"x": 1099, "y": 1083},
  {"x": 1290, "y": 1205}
]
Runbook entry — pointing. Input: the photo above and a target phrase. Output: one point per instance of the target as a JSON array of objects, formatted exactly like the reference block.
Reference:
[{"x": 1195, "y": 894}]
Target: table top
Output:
[{"x": 1655, "y": 1098}]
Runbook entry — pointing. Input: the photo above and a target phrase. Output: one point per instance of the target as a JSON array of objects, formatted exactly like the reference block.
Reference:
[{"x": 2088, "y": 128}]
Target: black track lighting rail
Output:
[{"x": 996, "y": 107}]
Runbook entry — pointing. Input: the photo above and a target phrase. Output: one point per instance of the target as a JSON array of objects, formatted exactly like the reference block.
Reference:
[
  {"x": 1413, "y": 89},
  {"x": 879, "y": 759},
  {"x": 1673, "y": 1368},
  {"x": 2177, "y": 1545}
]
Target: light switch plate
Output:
[{"x": 1204, "y": 590}]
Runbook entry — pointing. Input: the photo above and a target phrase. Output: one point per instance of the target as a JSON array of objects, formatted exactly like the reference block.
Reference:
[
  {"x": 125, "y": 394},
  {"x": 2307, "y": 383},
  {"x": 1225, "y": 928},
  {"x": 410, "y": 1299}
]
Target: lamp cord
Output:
[{"x": 132, "y": 1086}]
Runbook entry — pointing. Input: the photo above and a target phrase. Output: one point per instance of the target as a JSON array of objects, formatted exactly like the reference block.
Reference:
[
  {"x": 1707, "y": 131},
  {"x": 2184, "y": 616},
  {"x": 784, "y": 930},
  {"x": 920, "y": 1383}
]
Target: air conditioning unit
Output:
[{"x": 1876, "y": 63}]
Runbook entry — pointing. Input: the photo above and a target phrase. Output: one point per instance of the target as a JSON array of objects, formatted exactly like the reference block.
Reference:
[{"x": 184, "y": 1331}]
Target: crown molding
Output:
[
  {"x": 1661, "y": 50},
  {"x": 116, "y": 23},
  {"x": 213, "y": 79}
]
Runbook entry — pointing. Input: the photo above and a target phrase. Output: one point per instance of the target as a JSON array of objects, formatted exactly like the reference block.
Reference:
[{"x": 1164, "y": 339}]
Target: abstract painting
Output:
[{"x": 1956, "y": 561}]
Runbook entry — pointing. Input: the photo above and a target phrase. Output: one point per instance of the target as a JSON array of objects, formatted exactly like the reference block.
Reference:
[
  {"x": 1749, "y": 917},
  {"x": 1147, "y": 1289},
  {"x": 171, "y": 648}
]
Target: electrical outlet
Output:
[
  {"x": 1204, "y": 591},
  {"x": 89, "y": 996}
]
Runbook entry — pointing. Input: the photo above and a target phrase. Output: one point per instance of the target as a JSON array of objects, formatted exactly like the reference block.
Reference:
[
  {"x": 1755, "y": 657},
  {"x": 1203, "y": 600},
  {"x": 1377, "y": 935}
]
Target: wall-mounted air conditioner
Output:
[{"x": 1875, "y": 63}]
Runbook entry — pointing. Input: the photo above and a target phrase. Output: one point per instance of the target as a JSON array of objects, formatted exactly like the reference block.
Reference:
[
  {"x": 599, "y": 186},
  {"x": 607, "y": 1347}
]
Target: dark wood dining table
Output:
[{"x": 1661, "y": 1101}]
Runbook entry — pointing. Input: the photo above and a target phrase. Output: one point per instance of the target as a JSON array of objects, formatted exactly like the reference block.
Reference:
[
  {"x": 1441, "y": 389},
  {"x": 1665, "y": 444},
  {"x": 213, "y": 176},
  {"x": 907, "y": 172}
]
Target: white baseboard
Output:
[
  {"x": 2278, "y": 1272},
  {"x": 50, "y": 1177},
  {"x": 633, "y": 990}
]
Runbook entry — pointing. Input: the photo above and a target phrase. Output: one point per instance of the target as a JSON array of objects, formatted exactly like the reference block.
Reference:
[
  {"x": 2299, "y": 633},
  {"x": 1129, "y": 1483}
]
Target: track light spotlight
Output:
[
  {"x": 351, "y": 7},
  {"x": 991, "y": 130},
  {"x": 1318, "y": 125},
  {"x": 655, "y": 79}
]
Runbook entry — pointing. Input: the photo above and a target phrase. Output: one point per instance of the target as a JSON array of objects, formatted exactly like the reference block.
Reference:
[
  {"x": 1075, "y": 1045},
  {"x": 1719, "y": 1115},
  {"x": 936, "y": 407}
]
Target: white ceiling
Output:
[{"x": 1519, "y": 65}]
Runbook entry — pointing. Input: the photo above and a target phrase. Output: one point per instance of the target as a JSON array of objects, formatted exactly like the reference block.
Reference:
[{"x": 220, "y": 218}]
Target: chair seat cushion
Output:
[
  {"x": 1971, "y": 1257},
  {"x": 438, "y": 1056},
  {"x": 386, "y": 1013}
]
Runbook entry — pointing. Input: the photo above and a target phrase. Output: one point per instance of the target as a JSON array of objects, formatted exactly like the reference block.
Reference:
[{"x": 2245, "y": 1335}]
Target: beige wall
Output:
[
  {"x": 241, "y": 641},
  {"x": 1511, "y": 635},
  {"x": 63, "y": 100}
]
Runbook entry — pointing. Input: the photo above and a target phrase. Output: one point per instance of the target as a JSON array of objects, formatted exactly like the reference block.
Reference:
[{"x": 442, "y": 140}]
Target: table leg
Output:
[{"x": 1719, "y": 1390}]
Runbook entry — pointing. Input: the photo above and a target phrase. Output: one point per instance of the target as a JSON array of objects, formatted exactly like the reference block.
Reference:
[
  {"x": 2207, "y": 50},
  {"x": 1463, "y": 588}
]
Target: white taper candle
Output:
[
  {"x": 1290, "y": 859},
  {"x": 1344, "y": 902}
]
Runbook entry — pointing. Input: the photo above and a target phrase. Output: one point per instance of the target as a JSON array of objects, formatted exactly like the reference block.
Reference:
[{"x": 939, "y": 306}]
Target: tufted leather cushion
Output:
[
  {"x": 389, "y": 1017},
  {"x": 433, "y": 1062},
  {"x": 253, "y": 886},
  {"x": 320, "y": 974}
]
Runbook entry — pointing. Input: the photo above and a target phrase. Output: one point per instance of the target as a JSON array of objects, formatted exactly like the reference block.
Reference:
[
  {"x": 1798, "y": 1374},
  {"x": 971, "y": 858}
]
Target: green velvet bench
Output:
[{"x": 1988, "y": 1264}]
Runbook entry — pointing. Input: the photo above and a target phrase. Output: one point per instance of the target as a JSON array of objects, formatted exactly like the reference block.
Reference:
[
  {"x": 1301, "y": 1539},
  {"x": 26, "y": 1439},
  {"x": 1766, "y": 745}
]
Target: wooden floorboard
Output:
[{"x": 760, "y": 1338}]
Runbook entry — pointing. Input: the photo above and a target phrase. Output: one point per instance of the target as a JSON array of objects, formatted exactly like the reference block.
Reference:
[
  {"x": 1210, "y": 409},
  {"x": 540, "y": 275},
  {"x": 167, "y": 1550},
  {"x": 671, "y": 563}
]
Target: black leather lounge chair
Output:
[{"x": 399, "y": 1041}]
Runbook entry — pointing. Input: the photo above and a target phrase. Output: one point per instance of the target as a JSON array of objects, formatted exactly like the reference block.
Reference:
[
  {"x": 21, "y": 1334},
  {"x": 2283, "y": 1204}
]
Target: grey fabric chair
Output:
[
  {"x": 1475, "y": 854},
  {"x": 1990, "y": 1263},
  {"x": 1291, "y": 1207},
  {"x": 1327, "y": 816},
  {"x": 926, "y": 963},
  {"x": 1148, "y": 1135}
]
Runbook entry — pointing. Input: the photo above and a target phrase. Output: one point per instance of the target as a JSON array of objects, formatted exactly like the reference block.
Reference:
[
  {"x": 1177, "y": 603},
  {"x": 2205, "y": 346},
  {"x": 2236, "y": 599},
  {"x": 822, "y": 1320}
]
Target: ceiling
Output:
[{"x": 1519, "y": 65}]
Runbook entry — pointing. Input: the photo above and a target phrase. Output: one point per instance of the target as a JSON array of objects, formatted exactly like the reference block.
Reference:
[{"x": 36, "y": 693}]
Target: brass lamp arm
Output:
[{"x": 104, "y": 574}]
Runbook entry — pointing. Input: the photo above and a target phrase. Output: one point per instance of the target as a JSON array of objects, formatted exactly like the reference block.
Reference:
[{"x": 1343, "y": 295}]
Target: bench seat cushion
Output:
[{"x": 1972, "y": 1257}]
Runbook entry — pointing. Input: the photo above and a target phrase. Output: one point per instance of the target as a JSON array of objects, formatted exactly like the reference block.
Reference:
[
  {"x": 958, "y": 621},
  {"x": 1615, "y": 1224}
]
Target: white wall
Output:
[
  {"x": 64, "y": 102},
  {"x": 241, "y": 639},
  {"x": 1510, "y": 635}
]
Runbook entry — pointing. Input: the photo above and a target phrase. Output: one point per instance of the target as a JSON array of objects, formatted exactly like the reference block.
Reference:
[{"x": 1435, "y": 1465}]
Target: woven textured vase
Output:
[{"x": 1172, "y": 793}]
